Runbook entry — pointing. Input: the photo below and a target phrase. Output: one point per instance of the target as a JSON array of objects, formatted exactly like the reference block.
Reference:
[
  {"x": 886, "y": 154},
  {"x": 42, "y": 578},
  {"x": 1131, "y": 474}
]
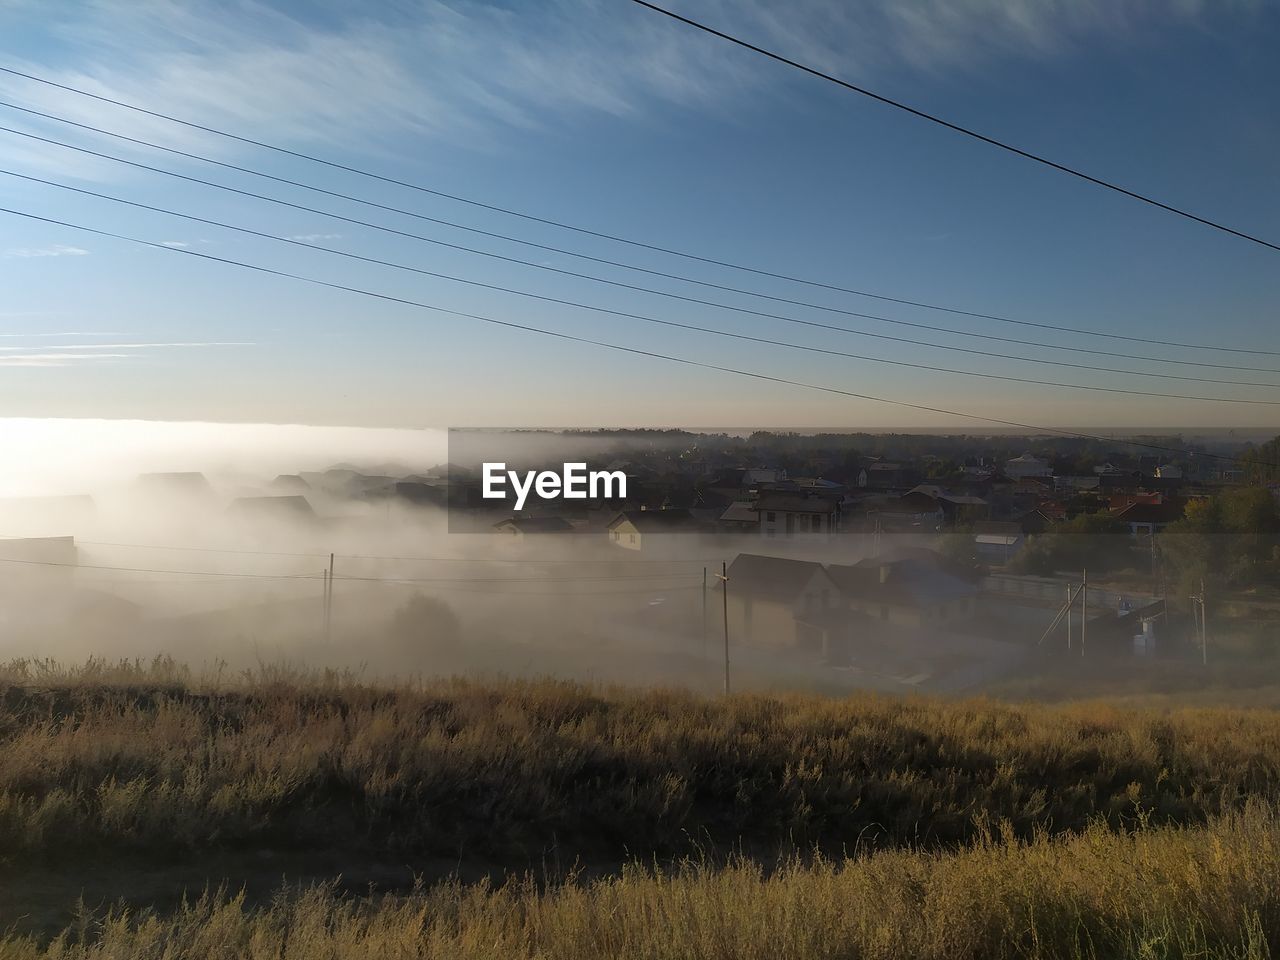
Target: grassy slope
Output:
[
  {"x": 1169, "y": 892},
  {"x": 145, "y": 766}
]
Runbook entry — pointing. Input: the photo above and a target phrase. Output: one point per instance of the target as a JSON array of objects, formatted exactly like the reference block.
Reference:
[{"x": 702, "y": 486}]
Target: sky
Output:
[{"x": 611, "y": 118}]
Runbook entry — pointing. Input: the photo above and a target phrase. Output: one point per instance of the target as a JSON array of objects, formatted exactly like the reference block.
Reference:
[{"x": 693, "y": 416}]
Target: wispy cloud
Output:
[
  {"x": 178, "y": 244},
  {"x": 366, "y": 76},
  {"x": 68, "y": 333},
  {"x": 56, "y": 250},
  {"x": 465, "y": 69},
  {"x": 58, "y": 359},
  {"x": 143, "y": 346},
  {"x": 313, "y": 237}
]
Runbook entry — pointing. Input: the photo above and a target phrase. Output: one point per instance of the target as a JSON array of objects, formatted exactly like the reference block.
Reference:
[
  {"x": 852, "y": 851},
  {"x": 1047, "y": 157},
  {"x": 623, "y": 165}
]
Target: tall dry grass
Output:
[
  {"x": 148, "y": 760},
  {"x": 1172, "y": 892}
]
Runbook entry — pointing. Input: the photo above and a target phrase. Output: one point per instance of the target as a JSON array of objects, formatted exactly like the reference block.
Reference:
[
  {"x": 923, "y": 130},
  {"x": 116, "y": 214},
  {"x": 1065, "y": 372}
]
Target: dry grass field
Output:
[{"x": 582, "y": 822}]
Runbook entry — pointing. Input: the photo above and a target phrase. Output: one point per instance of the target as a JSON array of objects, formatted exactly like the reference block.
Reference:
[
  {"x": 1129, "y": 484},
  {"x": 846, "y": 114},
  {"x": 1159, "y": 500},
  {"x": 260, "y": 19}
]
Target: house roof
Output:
[
  {"x": 916, "y": 502},
  {"x": 656, "y": 521},
  {"x": 998, "y": 528},
  {"x": 526, "y": 525},
  {"x": 1151, "y": 513},
  {"x": 293, "y": 505},
  {"x": 740, "y": 512},
  {"x": 794, "y": 503},
  {"x": 963, "y": 500},
  {"x": 907, "y": 582},
  {"x": 772, "y": 576}
]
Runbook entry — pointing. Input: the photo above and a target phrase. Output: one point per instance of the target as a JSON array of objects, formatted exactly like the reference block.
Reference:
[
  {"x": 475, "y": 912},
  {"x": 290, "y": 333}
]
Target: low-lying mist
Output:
[{"x": 213, "y": 544}]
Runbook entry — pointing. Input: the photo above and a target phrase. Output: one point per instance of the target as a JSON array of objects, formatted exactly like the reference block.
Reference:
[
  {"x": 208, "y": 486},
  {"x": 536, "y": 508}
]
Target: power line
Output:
[
  {"x": 968, "y": 132},
  {"x": 584, "y": 306},
  {"x": 356, "y": 556},
  {"x": 461, "y": 588},
  {"x": 282, "y": 576},
  {"x": 685, "y": 361},
  {"x": 710, "y": 330},
  {"x": 583, "y": 231}
]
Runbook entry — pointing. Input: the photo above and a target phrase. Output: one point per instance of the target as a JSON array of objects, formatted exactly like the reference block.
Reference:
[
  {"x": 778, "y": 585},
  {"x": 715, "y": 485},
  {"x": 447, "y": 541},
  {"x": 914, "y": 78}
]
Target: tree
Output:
[
  {"x": 1093, "y": 541},
  {"x": 425, "y": 624},
  {"x": 1230, "y": 540}
]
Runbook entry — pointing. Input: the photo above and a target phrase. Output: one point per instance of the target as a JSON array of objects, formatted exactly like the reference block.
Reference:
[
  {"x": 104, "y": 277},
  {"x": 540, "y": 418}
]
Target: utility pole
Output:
[
  {"x": 1200, "y": 621},
  {"x": 1084, "y": 606},
  {"x": 704, "y": 614},
  {"x": 724, "y": 591},
  {"x": 324, "y": 602},
  {"x": 1071, "y": 602},
  {"x": 328, "y": 602}
]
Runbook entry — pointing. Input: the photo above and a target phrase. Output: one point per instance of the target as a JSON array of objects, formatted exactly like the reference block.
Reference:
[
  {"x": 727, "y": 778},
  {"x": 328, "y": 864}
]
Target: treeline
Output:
[
  {"x": 1230, "y": 540},
  {"x": 1261, "y": 464}
]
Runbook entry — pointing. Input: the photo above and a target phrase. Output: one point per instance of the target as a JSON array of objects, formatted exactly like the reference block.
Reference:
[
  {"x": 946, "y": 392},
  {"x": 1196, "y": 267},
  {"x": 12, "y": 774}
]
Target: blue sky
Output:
[{"x": 602, "y": 114}]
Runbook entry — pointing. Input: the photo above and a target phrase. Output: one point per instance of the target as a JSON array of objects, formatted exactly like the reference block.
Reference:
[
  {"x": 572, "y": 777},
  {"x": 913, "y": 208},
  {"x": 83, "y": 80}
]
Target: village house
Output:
[
  {"x": 887, "y": 476},
  {"x": 520, "y": 528},
  {"x": 911, "y": 591},
  {"x": 916, "y": 511},
  {"x": 1027, "y": 466},
  {"x": 775, "y": 602},
  {"x": 1146, "y": 518},
  {"x": 648, "y": 529},
  {"x": 785, "y": 514},
  {"x": 998, "y": 541},
  {"x": 739, "y": 517}
]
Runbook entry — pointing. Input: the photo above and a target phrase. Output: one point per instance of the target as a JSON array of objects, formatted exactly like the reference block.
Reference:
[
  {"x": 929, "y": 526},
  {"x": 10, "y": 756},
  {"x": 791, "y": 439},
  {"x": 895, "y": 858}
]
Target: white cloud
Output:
[
  {"x": 57, "y": 250},
  {"x": 178, "y": 244},
  {"x": 313, "y": 237}
]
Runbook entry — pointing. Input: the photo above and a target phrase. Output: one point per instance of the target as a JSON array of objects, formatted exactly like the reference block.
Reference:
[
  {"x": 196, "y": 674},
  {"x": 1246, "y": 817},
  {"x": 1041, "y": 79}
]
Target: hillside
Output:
[{"x": 1048, "y": 811}]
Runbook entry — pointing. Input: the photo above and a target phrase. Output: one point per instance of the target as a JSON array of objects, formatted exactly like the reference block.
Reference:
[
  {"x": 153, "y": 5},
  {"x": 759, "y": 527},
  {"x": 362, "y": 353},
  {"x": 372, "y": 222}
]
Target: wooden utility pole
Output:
[
  {"x": 1071, "y": 602},
  {"x": 1084, "y": 606},
  {"x": 324, "y": 602},
  {"x": 1200, "y": 621},
  {"x": 724, "y": 591},
  {"x": 328, "y": 602},
  {"x": 704, "y": 614}
]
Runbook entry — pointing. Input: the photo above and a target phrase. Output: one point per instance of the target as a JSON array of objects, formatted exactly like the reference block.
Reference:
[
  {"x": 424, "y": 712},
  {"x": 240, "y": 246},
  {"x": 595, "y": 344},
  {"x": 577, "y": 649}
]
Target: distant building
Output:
[
  {"x": 754, "y": 476},
  {"x": 1169, "y": 471},
  {"x": 1145, "y": 519},
  {"x": 916, "y": 510},
  {"x": 998, "y": 541},
  {"x": 777, "y": 602},
  {"x": 739, "y": 517},
  {"x": 784, "y": 514},
  {"x": 1075, "y": 484},
  {"x": 48, "y": 559},
  {"x": 887, "y": 476},
  {"x": 1027, "y": 466},
  {"x": 519, "y": 528},
  {"x": 638, "y": 529},
  {"x": 272, "y": 509},
  {"x": 908, "y": 592}
]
